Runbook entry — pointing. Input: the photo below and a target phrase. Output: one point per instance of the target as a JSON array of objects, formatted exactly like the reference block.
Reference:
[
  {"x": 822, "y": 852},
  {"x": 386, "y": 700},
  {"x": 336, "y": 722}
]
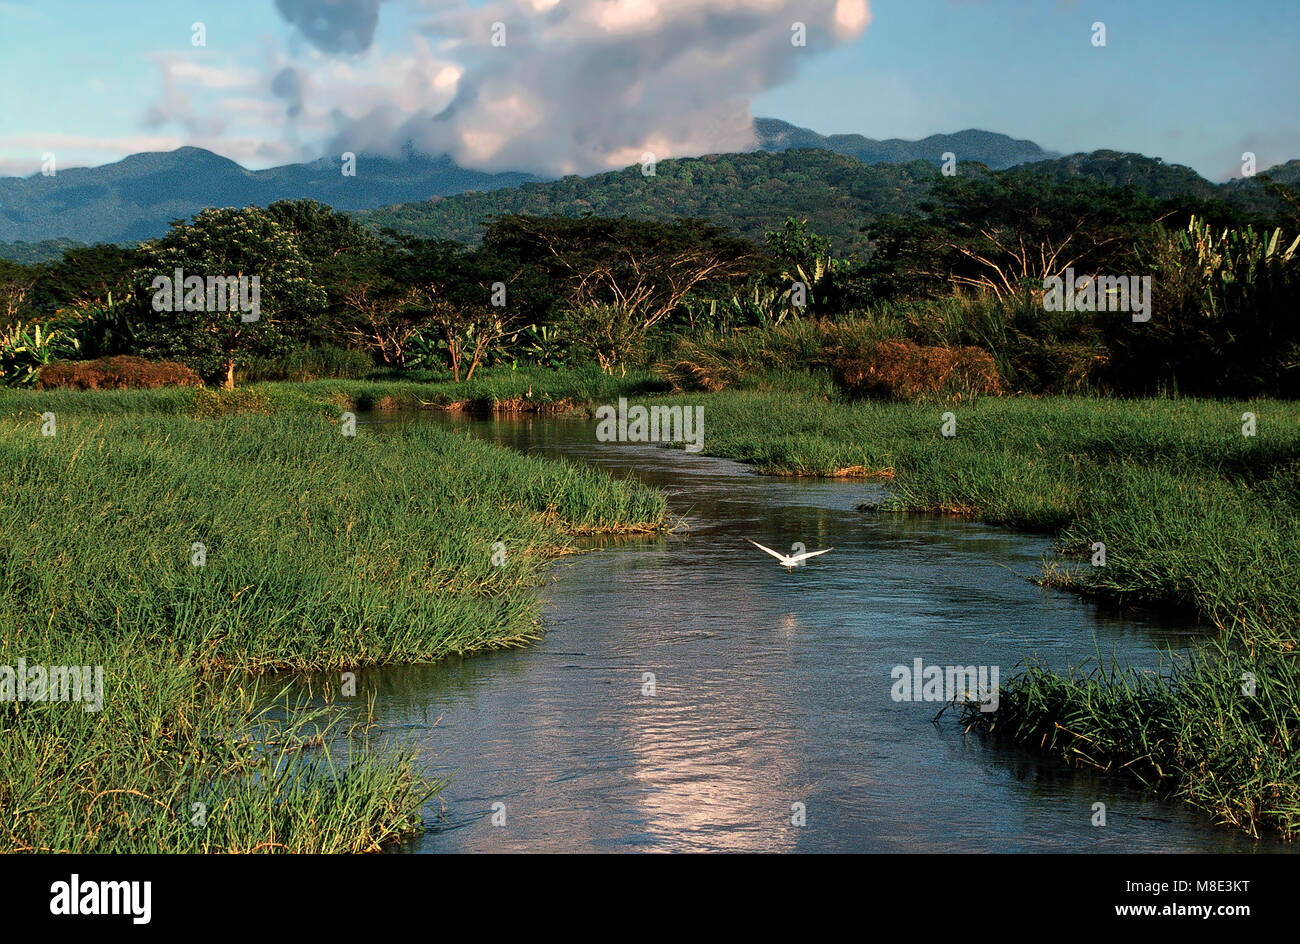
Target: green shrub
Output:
[
  {"x": 1222, "y": 315},
  {"x": 310, "y": 363},
  {"x": 607, "y": 334}
]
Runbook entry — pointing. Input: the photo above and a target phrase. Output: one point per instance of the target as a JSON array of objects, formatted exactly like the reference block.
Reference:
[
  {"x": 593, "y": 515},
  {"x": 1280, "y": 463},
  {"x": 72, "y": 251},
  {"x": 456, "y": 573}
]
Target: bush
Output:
[
  {"x": 1222, "y": 315},
  {"x": 713, "y": 360},
  {"x": 327, "y": 362},
  {"x": 122, "y": 372},
  {"x": 905, "y": 370},
  {"x": 607, "y": 334},
  {"x": 1036, "y": 351}
]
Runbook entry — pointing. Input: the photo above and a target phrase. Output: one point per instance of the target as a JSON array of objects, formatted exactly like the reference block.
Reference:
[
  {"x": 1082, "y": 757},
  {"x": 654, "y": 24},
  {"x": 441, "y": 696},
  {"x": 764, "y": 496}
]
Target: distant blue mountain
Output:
[
  {"x": 995, "y": 151},
  {"x": 137, "y": 197}
]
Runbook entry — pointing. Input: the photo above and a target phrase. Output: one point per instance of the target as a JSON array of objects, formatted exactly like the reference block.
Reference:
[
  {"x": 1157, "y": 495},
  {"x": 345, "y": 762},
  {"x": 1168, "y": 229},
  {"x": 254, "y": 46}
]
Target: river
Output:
[{"x": 691, "y": 694}]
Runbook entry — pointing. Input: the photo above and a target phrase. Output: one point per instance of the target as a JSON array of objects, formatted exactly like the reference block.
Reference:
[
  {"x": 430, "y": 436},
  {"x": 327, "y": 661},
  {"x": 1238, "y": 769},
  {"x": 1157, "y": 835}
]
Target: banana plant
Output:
[
  {"x": 762, "y": 305},
  {"x": 25, "y": 349},
  {"x": 544, "y": 345},
  {"x": 1239, "y": 261},
  {"x": 817, "y": 279},
  {"x": 425, "y": 350}
]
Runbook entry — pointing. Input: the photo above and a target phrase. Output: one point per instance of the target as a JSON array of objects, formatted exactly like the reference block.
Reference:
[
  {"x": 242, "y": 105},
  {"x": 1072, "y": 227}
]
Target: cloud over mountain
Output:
[{"x": 549, "y": 86}]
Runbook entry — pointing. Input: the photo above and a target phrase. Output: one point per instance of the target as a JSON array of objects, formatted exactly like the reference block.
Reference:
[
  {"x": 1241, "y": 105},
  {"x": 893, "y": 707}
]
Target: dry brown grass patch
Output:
[
  {"x": 122, "y": 372},
  {"x": 905, "y": 370}
]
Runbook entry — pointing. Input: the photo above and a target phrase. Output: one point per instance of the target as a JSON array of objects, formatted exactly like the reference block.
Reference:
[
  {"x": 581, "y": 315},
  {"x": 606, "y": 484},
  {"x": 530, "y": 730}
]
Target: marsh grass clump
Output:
[
  {"x": 183, "y": 760},
  {"x": 321, "y": 550},
  {"x": 1220, "y": 729}
]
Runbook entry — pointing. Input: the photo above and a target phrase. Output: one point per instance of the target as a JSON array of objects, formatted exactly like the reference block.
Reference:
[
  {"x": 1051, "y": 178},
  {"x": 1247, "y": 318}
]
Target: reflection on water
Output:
[{"x": 690, "y": 694}]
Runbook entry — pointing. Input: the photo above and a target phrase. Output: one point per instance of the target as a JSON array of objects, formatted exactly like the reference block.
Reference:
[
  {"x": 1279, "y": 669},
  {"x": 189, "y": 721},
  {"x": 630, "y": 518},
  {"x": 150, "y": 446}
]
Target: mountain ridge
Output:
[
  {"x": 995, "y": 151},
  {"x": 753, "y": 192},
  {"x": 137, "y": 197}
]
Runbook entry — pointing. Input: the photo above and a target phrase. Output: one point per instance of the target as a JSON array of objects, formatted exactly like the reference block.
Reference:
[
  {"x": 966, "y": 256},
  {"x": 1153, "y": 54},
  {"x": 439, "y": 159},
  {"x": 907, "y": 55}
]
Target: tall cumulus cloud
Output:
[{"x": 576, "y": 86}]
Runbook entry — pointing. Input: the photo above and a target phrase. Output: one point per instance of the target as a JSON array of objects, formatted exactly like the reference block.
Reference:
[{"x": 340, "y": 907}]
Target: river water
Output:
[{"x": 691, "y": 694}]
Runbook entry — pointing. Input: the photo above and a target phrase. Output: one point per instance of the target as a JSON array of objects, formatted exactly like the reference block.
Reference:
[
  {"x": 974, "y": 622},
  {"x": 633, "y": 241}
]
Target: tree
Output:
[
  {"x": 16, "y": 282},
  {"x": 86, "y": 276},
  {"x": 374, "y": 303},
  {"x": 221, "y": 254},
  {"x": 321, "y": 231},
  {"x": 463, "y": 296},
  {"x": 338, "y": 251},
  {"x": 795, "y": 246},
  {"x": 807, "y": 259},
  {"x": 639, "y": 272},
  {"x": 87, "y": 291},
  {"x": 1013, "y": 230}
]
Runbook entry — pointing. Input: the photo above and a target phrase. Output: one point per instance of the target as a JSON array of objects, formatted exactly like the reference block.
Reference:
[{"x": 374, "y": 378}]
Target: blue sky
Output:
[
  {"x": 1193, "y": 82},
  {"x": 1196, "y": 83}
]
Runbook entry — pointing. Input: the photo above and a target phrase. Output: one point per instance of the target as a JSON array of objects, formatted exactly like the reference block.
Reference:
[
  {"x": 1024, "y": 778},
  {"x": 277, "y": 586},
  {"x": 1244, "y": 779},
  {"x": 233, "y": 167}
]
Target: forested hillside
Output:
[{"x": 753, "y": 193}]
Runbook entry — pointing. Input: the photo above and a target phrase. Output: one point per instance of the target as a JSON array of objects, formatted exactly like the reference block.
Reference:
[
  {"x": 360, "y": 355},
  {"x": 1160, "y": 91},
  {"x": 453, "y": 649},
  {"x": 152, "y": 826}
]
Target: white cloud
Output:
[
  {"x": 208, "y": 76},
  {"x": 577, "y": 87}
]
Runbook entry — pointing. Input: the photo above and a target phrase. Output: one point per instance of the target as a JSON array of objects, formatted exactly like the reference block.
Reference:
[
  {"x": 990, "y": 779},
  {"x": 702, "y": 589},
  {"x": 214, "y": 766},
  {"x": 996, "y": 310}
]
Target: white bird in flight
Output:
[{"x": 787, "y": 560}]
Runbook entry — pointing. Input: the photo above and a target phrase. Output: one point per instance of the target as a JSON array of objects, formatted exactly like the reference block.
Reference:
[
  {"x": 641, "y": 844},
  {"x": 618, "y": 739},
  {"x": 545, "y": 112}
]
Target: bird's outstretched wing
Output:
[
  {"x": 807, "y": 554},
  {"x": 780, "y": 557}
]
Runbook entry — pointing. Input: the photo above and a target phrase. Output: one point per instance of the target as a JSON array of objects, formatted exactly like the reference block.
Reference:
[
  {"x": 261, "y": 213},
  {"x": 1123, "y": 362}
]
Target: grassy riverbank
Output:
[
  {"x": 493, "y": 390},
  {"x": 319, "y": 552},
  {"x": 1220, "y": 730},
  {"x": 327, "y": 552}
]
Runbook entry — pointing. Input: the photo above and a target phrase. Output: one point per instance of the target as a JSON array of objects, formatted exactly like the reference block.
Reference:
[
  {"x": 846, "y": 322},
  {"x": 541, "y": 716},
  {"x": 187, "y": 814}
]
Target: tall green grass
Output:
[
  {"x": 1220, "y": 730},
  {"x": 308, "y": 363},
  {"x": 323, "y": 552},
  {"x": 183, "y": 760}
]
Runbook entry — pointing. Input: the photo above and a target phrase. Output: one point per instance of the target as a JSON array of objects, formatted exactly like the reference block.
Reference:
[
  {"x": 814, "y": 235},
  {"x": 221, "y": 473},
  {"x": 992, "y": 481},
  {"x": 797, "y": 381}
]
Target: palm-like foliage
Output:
[
  {"x": 1223, "y": 312},
  {"x": 1236, "y": 265},
  {"x": 26, "y": 348}
]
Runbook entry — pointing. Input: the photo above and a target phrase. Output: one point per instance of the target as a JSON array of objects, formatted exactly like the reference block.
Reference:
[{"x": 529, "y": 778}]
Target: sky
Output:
[{"x": 581, "y": 86}]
